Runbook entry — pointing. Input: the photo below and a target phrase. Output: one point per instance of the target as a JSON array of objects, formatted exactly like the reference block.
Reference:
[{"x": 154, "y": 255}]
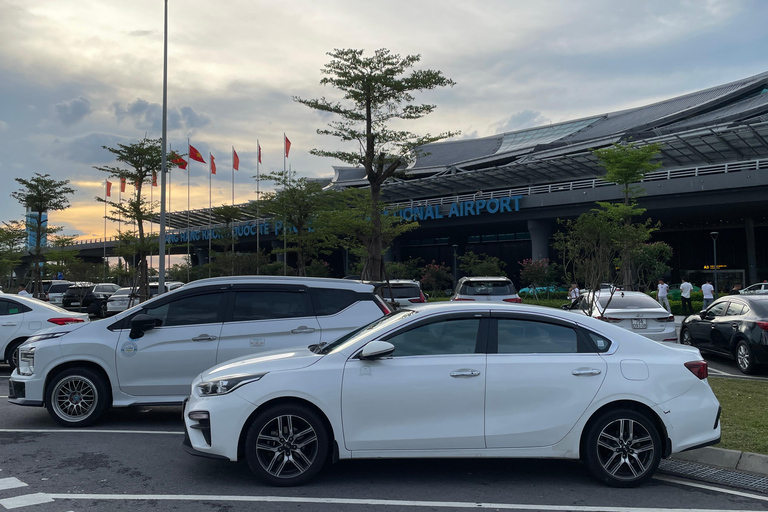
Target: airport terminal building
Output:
[{"x": 502, "y": 195}]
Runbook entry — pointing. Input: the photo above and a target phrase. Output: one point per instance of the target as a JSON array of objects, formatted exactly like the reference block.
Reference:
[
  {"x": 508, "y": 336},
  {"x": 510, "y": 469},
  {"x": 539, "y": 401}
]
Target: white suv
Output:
[{"x": 152, "y": 352}]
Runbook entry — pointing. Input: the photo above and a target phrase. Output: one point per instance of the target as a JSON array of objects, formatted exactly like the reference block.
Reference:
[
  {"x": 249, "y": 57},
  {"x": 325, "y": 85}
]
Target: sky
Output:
[{"x": 76, "y": 75}]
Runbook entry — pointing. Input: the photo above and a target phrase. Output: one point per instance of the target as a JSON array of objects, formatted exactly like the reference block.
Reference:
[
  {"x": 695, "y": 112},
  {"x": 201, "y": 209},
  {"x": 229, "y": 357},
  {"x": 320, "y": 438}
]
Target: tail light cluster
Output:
[
  {"x": 463, "y": 299},
  {"x": 64, "y": 320},
  {"x": 670, "y": 318},
  {"x": 382, "y": 305},
  {"x": 420, "y": 300},
  {"x": 698, "y": 368},
  {"x": 763, "y": 325},
  {"x": 610, "y": 319},
  {"x": 516, "y": 300}
]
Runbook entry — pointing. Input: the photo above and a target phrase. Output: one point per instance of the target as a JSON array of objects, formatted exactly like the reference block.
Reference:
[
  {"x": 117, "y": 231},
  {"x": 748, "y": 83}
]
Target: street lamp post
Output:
[
  {"x": 455, "y": 259},
  {"x": 714, "y": 234}
]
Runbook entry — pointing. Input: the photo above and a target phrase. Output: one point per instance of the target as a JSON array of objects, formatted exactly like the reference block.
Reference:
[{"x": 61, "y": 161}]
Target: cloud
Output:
[
  {"x": 3, "y": 126},
  {"x": 519, "y": 121},
  {"x": 141, "y": 33},
  {"x": 88, "y": 148},
  {"x": 71, "y": 111},
  {"x": 149, "y": 116}
]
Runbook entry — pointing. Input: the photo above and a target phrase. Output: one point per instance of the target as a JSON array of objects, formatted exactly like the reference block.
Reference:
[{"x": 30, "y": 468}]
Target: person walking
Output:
[
  {"x": 685, "y": 297},
  {"x": 573, "y": 295},
  {"x": 709, "y": 293},
  {"x": 736, "y": 290},
  {"x": 661, "y": 296},
  {"x": 23, "y": 291}
]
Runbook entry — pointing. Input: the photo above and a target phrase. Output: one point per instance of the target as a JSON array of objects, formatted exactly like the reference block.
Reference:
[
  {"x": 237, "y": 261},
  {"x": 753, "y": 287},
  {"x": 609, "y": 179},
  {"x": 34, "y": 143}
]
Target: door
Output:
[
  {"x": 11, "y": 320},
  {"x": 267, "y": 317},
  {"x": 165, "y": 360},
  {"x": 701, "y": 329},
  {"x": 428, "y": 396},
  {"x": 538, "y": 384},
  {"x": 726, "y": 326}
]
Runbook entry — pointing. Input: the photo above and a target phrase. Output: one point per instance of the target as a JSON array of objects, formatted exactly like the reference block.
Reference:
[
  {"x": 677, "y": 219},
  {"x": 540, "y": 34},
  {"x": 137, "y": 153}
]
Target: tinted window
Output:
[
  {"x": 399, "y": 292},
  {"x": 717, "y": 309},
  {"x": 9, "y": 308},
  {"x": 58, "y": 288},
  {"x": 487, "y": 288},
  {"x": 458, "y": 336},
  {"x": 328, "y": 301},
  {"x": 529, "y": 337},
  {"x": 266, "y": 305},
  {"x": 190, "y": 310},
  {"x": 628, "y": 302},
  {"x": 601, "y": 342},
  {"x": 734, "y": 309},
  {"x": 76, "y": 291}
]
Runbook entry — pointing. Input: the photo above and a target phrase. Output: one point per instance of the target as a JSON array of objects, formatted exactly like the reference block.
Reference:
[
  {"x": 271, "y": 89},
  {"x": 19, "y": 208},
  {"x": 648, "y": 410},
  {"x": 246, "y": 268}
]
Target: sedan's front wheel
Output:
[
  {"x": 76, "y": 397},
  {"x": 622, "y": 448},
  {"x": 685, "y": 337},
  {"x": 287, "y": 445}
]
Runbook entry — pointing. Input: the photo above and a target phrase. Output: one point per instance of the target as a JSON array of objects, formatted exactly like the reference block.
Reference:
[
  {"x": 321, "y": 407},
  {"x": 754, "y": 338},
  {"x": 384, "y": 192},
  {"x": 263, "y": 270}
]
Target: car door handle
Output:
[
  {"x": 465, "y": 373},
  {"x": 302, "y": 329},
  {"x": 586, "y": 371},
  {"x": 735, "y": 326},
  {"x": 204, "y": 337},
  {"x": 9, "y": 324}
]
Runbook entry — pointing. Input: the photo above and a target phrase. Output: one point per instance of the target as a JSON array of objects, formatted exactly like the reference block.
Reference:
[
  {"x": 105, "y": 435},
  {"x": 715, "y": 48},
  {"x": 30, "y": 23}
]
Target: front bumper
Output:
[
  {"x": 219, "y": 439},
  {"x": 26, "y": 390},
  {"x": 17, "y": 394}
]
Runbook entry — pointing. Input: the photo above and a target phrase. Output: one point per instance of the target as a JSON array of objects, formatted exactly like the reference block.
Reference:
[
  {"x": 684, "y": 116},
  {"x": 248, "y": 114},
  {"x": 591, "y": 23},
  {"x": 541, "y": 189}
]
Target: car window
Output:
[
  {"x": 717, "y": 309},
  {"x": 268, "y": 305},
  {"x": 601, "y": 342},
  {"x": 8, "y": 307},
  {"x": 189, "y": 310},
  {"x": 487, "y": 288},
  {"x": 745, "y": 310},
  {"x": 450, "y": 336},
  {"x": 327, "y": 301},
  {"x": 621, "y": 301},
  {"x": 399, "y": 292},
  {"x": 58, "y": 288},
  {"x": 734, "y": 309},
  {"x": 531, "y": 337}
]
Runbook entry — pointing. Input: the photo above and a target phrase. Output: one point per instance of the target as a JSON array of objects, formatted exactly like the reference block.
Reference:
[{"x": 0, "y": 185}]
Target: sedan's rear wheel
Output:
[
  {"x": 744, "y": 358},
  {"x": 76, "y": 397},
  {"x": 622, "y": 448},
  {"x": 287, "y": 445}
]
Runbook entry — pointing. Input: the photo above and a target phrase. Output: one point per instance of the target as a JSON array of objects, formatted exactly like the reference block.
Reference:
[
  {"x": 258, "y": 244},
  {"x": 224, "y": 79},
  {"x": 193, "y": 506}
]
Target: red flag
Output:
[
  {"x": 195, "y": 155},
  {"x": 213, "y": 164},
  {"x": 258, "y": 147},
  {"x": 235, "y": 160},
  {"x": 122, "y": 184},
  {"x": 180, "y": 162},
  {"x": 154, "y": 179},
  {"x": 287, "y": 146},
  {"x": 109, "y": 188}
]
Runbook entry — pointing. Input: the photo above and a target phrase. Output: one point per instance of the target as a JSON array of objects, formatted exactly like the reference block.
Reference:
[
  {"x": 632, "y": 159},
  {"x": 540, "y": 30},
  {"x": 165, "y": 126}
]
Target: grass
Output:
[{"x": 744, "y": 419}]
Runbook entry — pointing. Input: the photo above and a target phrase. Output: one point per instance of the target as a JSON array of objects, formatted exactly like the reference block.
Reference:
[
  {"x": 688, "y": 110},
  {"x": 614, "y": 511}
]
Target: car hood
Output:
[{"x": 270, "y": 361}]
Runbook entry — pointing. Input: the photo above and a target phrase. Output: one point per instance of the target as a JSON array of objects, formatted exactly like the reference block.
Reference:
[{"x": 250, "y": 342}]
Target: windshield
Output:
[
  {"x": 122, "y": 291},
  {"x": 380, "y": 324},
  {"x": 399, "y": 292},
  {"x": 621, "y": 301},
  {"x": 487, "y": 288}
]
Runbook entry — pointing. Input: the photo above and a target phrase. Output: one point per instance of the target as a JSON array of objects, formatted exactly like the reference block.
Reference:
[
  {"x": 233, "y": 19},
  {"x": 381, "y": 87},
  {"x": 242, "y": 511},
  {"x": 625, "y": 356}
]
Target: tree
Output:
[
  {"x": 481, "y": 265},
  {"x": 538, "y": 273},
  {"x": 41, "y": 194},
  {"x": 12, "y": 237},
  {"x": 650, "y": 263},
  {"x": 60, "y": 256},
  {"x": 141, "y": 161},
  {"x": 377, "y": 92}
]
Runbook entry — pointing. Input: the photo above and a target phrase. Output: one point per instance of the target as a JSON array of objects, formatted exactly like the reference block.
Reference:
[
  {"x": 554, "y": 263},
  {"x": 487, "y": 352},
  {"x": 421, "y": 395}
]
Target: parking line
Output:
[
  {"x": 708, "y": 487},
  {"x": 369, "y": 502},
  {"x": 83, "y": 431},
  {"x": 11, "y": 483},
  {"x": 26, "y": 500}
]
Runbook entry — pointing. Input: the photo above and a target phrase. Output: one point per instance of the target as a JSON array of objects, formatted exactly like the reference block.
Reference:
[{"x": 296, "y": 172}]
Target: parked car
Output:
[
  {"x": 404, "y": 292},
  {"x": 634, "y": 311},
  {"x": 121, "y": 300},
  {"x": 497, "y": 289},
  {"x": 459, "y": 380},
  {"x": 22, "y": 317},
  {"x": 56, "y": 290},
  {"x": 152, "y": 352},
  {"x": 734, "y": 326},
  {"x": 88, "y": 297},
  {"x": 755, "y": 289},
  {"x": 169, "y": 286},
  {"x": 46, "y": 288}
]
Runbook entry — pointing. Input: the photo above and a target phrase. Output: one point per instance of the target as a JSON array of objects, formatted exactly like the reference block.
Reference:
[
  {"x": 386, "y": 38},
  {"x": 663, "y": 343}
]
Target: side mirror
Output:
[
  {"x": 141, "y": 324},
  {"x": 377, "y": 350},
  {"x": 426, "y": 296}
]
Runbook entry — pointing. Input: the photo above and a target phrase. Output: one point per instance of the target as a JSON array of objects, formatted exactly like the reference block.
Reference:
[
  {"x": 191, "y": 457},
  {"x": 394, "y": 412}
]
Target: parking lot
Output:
[{"x": 133, "y": 460}]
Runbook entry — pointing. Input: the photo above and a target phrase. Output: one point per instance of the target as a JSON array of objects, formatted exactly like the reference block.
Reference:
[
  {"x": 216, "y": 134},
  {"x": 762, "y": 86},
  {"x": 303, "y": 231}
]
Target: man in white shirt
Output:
[
  {"x": 685, "y": 297},
  {"x": 709, "y": 293},
  {"x": 662, "y": 295},
  {"x": 23, "y": 291}
]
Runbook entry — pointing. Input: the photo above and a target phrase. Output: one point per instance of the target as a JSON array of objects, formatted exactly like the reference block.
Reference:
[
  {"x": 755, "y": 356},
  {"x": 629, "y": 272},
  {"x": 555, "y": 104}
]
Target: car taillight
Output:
[
  {"x": 382, "y": 305},
  {"x": 422, "y": 299},
  {"x": 516, "y": 301},
  {"x": 610, "y": 319},
  {"x": 65, "y": 320},
  {"x": 698, "y": 368},
  {"x": 462, "y": 299},
  {"x": 763, "y": 325},
  {"x": 46, "y": 297}
]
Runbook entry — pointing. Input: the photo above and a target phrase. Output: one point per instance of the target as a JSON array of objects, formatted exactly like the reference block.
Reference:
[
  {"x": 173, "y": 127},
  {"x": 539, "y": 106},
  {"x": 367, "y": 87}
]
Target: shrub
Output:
[{"x": 436, "y": 278}]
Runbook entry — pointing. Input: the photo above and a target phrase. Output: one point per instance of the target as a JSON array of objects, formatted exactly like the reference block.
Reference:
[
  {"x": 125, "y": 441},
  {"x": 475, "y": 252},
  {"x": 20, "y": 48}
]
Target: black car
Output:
[
  {"x": 89, "y": 298},
  {"x": 734, "y": 326}
]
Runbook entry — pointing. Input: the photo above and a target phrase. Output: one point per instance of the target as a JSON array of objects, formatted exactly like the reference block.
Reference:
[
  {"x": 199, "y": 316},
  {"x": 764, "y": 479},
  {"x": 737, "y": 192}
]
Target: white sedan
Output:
[
  {"x": 21, "y": 317},
  {"x": 633, "y": 311},
  {"x": 459, "y": 380}
]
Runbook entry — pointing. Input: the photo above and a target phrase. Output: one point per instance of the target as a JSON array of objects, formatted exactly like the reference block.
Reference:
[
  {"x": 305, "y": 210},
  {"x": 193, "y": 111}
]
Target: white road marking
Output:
[
  {"x": 83, "y": 431},
  {"x": 369, "y": 502},
  {"x": 26, "y": 500},
  {"x": 709, "y": 487},
  {"x": 11, "y": 483}
]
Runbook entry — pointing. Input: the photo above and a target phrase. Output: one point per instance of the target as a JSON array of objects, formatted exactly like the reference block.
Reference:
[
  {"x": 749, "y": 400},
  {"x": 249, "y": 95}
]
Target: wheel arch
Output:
[
  {"x": 633, "y": 406},
  {"x": 8, "y": 352},
  {"x": 288, "y": 400},
  {"x": 54, "y": 372}
]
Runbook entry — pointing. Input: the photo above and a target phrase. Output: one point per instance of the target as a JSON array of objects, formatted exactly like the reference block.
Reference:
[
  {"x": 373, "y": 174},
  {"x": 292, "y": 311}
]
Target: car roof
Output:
[
  {"x": 317, "y": 282},
  {"x": 485, "y": 278}
]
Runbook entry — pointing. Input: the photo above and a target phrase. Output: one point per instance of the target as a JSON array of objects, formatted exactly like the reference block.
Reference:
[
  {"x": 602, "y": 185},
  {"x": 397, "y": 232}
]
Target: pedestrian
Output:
[
  {"x": 23, "y": 291},
  {"x": 685, "y": 297},
  {"x": 708, "y": 290},
  {"x": 573, "y": 295},
  {"x": 663, "y": 290},
  {"x": 736, "y": 290}
]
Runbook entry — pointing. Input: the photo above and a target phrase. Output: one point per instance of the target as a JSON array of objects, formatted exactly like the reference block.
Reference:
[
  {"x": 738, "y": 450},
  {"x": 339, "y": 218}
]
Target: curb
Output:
[{"x": 729, "y": 459}]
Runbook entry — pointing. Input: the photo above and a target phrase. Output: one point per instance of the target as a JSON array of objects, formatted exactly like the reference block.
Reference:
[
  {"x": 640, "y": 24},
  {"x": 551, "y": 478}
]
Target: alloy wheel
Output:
[
  {"x": 625, "y": 449},
  {"x": 74, "y": 398},
  {"x": 686, "y": 335},
  {"x": 286, "y": 446},
  {"x": 743, "y": 356}
]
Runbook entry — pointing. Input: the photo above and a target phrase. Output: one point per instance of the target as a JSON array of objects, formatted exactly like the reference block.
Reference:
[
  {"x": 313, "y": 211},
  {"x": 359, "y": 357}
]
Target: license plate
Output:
[
  {"x": 639, "y": 323},
  {"x": 74, "y": 303}
]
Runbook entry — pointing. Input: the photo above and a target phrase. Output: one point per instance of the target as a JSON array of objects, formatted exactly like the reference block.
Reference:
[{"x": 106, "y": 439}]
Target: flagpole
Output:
[
  {"x": 285, "y": 241},
  {"x": 210, "y": 211},
  {"x": 258, "y": 203},
  {"x": 189, "y": 175},
  {"x": 106, "y": 190},
  {"x": 151, "y": 211},
  {"x": 169, "y": 212},
  {"x": 163, "y": 162},
  {"x": 233, "y": 175}
]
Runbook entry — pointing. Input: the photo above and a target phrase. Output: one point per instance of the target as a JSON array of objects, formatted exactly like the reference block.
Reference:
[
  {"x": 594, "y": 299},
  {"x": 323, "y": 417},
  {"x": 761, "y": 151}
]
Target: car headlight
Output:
[
  {"x": 226, "y": 384},
  {"x": 26, "y": 360},
  {"x": 46, "y": 336}
]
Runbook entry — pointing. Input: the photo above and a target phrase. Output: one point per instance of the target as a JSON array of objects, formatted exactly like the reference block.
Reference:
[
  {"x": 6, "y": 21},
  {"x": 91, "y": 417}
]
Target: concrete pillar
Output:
[
  {"x": 540, "y": 231},
  {"x": 749, "y": 225},
  {"x": 202, "y": 255},
  {"x": 278, "y": 244}
]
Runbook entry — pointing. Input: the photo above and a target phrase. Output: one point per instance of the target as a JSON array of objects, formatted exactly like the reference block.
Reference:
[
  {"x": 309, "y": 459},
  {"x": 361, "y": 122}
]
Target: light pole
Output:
[
  {"x": 455, "y": 259},
  {"x": 714, "y": 234}
]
